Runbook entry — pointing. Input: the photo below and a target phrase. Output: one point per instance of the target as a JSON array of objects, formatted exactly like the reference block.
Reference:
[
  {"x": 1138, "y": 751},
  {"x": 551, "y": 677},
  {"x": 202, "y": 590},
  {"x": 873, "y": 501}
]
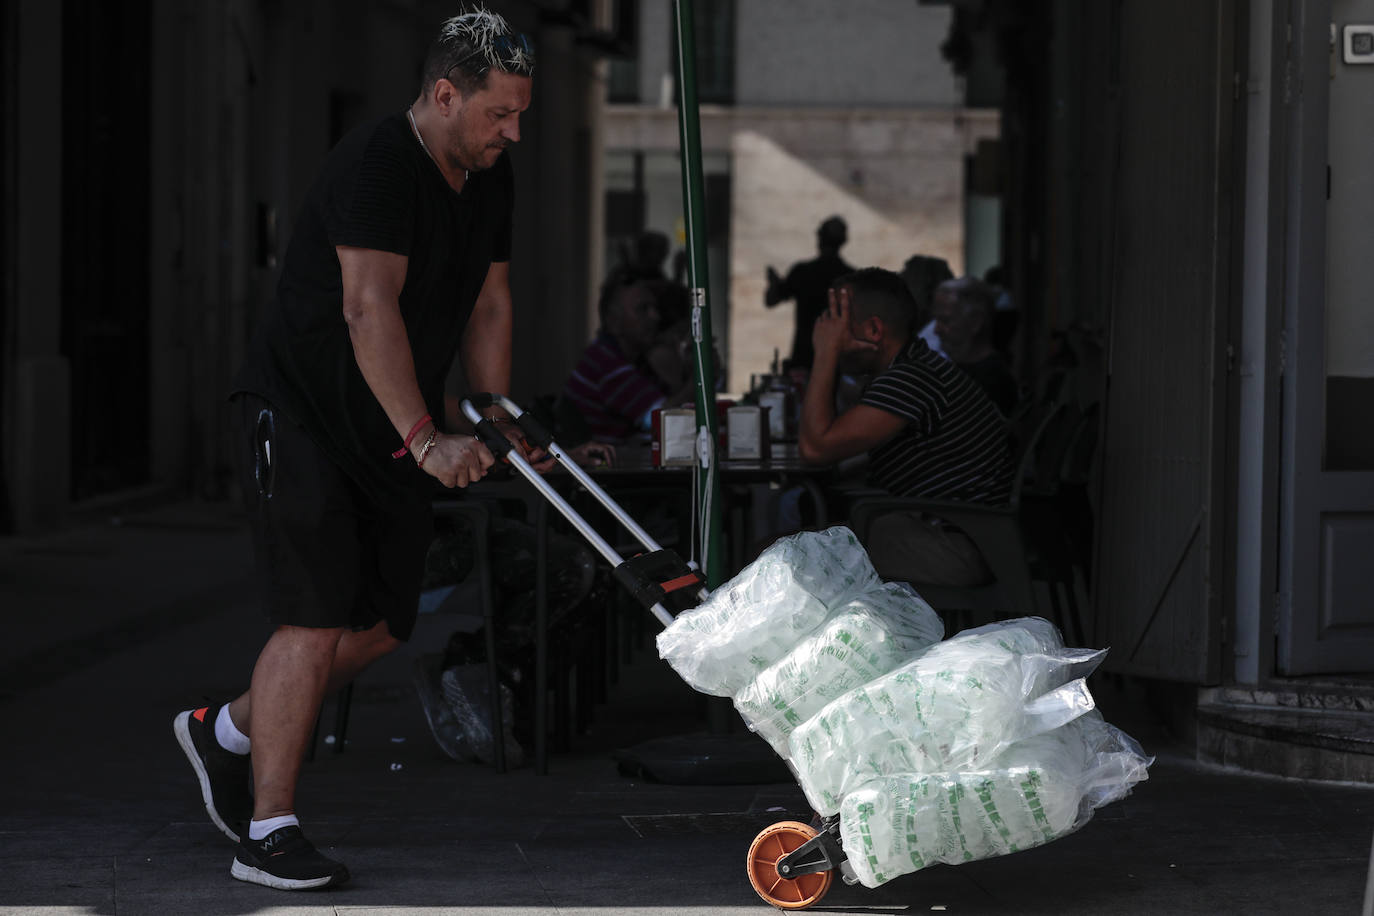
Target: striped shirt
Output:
[
  {"x": 954, "y": 445},
  {"x": 612, "y": 393}
]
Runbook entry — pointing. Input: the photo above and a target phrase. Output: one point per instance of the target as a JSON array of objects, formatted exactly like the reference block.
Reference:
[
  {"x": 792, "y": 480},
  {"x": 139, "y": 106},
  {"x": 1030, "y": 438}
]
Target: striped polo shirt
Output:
[
  {"x": 613, "y": 395},
  {"x": 954, "y": 445}
]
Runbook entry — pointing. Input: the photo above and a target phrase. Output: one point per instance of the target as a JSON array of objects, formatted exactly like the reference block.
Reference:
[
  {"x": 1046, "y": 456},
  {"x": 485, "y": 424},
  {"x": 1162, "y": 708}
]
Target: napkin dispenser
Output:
[
  {"x": 747, "y": 428},
  {"x": 675, "y": 437}
]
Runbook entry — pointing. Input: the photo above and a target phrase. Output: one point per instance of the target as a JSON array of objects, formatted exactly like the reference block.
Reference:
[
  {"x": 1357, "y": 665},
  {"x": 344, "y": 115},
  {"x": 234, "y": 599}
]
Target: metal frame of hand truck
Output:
[{"x": 665, "y": 584}]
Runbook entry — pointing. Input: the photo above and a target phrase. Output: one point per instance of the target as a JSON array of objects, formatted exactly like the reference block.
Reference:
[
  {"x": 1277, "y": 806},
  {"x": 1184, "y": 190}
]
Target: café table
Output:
[{"x": 632, "y": 474}]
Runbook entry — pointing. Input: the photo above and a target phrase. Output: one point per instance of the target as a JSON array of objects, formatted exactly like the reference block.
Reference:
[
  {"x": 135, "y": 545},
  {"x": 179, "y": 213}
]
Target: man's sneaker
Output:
[
  {"x": 286, "y": 860},
  {"x": 225, "y": 778}
]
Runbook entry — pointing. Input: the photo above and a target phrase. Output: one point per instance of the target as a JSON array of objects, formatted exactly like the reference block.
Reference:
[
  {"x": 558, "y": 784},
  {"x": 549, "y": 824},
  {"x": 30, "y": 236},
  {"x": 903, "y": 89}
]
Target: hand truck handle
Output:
[{"x": 501, "y": 447}]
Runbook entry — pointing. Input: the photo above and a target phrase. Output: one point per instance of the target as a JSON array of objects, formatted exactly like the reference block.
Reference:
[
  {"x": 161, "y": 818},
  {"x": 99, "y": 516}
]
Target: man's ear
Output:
[
  {"x": 873, "y": 328},
  {"x": 445, "y": 96}
]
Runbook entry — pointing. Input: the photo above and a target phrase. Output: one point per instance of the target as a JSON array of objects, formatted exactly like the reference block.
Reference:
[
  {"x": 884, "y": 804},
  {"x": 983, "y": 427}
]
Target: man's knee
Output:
[
  {"x": 375, "y": 641},
  {"x": 385, "y": 644},
  {"x": 300, "y": 648}
]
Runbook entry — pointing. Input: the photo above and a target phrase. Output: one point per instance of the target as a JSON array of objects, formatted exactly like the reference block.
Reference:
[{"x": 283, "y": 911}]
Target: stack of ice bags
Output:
[
  {"x": 955, "y": 706},
  {"x": 929, "y": 751},
  {"x": 752, "y": 621},
  {"x": 867, "y": 636},
  {"x": 1034, "y": 791}
]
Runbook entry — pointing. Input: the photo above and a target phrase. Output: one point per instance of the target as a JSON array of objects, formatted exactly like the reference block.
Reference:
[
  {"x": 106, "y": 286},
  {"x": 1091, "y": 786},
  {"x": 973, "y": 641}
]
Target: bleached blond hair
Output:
[{"x": 471, "y": 45}]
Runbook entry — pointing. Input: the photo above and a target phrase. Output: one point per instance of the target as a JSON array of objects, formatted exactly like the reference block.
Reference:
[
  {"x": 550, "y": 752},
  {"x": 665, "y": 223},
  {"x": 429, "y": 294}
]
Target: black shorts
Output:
[{"x": 327, "y": 554}]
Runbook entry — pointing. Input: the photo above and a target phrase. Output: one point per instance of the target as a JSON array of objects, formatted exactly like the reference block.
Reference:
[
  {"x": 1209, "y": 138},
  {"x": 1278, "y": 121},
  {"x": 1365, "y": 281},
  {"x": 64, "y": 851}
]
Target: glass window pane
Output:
[
  {"x": 1349, "y": 442},
  {"x": 715, "y": 38}
]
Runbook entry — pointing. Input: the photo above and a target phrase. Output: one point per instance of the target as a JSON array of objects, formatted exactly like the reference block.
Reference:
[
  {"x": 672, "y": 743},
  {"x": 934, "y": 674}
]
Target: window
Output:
[{"x": 715, "y": 40}]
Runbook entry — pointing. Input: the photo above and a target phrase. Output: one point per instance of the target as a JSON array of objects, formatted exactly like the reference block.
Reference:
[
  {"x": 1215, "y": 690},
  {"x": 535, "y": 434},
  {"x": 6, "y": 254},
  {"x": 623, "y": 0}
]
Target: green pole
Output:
[{"x": 693, "y": 200}]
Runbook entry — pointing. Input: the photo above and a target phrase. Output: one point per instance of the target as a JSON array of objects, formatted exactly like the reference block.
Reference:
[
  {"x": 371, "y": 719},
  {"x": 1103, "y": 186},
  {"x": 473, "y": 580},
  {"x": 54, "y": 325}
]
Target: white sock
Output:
[
  {"x": 258, "y": 830},
  {"x": 228, "y": 734}
]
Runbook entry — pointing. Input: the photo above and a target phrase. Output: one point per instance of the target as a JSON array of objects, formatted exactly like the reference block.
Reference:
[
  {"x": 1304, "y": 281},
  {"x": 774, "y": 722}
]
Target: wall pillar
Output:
[{"x": 38, "y": 408}]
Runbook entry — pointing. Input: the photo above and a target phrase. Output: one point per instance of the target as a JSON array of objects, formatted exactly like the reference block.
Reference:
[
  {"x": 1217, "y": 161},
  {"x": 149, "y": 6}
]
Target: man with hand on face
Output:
[
  {"x": 927, "y": 428},
  {"x": 398, "y": 263}
]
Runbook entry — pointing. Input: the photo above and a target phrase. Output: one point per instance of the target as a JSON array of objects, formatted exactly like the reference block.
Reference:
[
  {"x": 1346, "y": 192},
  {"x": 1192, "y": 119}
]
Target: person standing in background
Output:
[{"x": 808, "y": 283}]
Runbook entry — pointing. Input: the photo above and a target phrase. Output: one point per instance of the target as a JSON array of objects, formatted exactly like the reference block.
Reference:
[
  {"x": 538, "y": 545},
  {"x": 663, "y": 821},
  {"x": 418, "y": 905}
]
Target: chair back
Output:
[
  {"x": 1035, "y": 452},
  {"x": 995, "y": 530}
]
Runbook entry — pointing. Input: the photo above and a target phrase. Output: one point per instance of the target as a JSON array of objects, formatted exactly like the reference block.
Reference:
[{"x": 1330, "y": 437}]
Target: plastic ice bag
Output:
[
  {"x": 1037, "y": 790},
  {"x": 871, "y": 635},
  {"x": 758, "y": 616},
  {"x": 954, "y": 707},
  {"x": 457, "y": 704}
]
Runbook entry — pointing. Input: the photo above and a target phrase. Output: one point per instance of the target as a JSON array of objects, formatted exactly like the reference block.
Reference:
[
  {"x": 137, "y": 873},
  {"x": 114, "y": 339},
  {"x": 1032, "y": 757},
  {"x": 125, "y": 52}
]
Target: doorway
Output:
[
  {"x": 105, "y": 288},
  {"x": 1326, "y": 538}
]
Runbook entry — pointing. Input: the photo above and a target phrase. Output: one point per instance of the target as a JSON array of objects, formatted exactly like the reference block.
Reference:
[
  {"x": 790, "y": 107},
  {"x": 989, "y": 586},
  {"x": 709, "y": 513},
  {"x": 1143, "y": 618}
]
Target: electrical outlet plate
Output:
[{"x": 1358, "y": 44}]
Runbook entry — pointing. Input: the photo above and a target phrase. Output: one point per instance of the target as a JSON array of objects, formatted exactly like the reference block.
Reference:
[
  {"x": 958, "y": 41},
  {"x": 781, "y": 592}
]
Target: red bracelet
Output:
[{"x": 419, "y": 425}]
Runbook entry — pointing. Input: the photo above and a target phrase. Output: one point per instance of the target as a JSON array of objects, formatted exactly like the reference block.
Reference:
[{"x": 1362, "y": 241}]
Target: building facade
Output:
[
  {"x": 1179, "y": 202},
  {"x": 806, "y": 112},
  {"x": 155, "y": 155},
  {"x": 1184, "y": 184}
]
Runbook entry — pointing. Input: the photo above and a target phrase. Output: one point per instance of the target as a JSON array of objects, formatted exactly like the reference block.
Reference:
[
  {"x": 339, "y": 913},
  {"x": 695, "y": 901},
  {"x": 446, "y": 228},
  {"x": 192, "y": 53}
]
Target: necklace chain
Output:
[{"x": 410, "y": 115}]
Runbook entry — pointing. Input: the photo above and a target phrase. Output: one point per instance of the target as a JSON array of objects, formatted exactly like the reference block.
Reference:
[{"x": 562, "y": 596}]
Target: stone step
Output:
[
  {"x": 1302, "y": 741},
  {"x": 1347, "y": 695}
]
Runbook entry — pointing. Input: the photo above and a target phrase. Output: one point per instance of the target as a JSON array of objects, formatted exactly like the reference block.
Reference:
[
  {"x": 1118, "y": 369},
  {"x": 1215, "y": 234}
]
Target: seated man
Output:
[
  {"x": 927, "y": 427},
  {"x": 964, "y": 314},
  {"x": 610, "y": 385}
]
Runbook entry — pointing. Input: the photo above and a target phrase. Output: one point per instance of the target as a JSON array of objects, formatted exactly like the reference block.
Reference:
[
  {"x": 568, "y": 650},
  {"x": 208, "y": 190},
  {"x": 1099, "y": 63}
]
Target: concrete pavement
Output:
[{"x": 118, "y": 625}]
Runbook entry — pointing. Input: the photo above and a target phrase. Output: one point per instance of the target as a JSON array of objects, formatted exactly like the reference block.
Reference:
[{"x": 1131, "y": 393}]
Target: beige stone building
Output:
[{"x": 804, "y": 116}]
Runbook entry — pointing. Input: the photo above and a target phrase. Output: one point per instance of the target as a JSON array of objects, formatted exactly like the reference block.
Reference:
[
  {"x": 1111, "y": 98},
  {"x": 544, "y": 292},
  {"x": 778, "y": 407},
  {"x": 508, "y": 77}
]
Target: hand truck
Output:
[{"x": 790, "y": 865}]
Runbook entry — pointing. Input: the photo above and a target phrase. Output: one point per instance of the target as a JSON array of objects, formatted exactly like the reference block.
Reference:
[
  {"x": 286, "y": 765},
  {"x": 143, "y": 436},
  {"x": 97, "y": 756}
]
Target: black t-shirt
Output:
[
  {"x": 809, "y": 283},
  {"x": 378, "y": 189}
]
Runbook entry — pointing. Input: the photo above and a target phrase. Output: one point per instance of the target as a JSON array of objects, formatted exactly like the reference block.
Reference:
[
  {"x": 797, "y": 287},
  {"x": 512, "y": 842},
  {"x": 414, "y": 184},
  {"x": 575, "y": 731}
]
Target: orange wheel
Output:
[{"x": 768, "y": 848}]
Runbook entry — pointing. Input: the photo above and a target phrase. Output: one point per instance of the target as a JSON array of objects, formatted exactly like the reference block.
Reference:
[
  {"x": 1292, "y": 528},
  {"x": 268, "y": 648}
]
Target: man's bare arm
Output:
[
  {"x": 828, "y": 438},
  {"x": 854, "y": 432},
  {"x": 777, "y": 290},
  {"x": 372, "y": 282},
  {"x": 825, "y": 438},
  {"x": 485, "y": 349}
]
